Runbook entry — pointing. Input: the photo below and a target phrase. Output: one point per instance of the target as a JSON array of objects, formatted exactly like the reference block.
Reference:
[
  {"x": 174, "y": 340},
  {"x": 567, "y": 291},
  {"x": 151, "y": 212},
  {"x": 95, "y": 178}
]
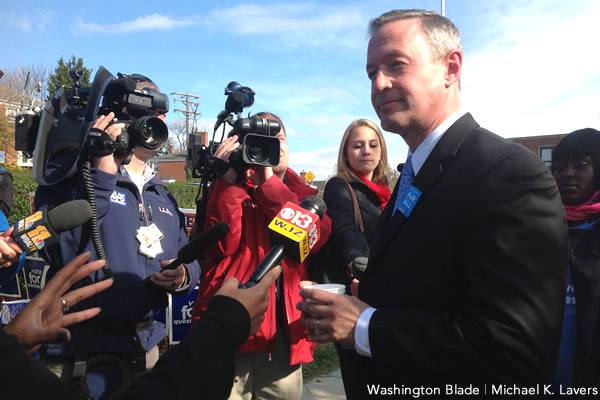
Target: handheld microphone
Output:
[
  {"x": 297, "y": 231},
  {"x": 198, "y": 246},
  {"x": 42, "y": 228}
]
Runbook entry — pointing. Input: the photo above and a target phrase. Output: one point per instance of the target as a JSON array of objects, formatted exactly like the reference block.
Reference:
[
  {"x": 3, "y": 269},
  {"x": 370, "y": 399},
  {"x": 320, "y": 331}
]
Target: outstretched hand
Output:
[
  {"x": 43, "y": 319},
  {"x": 254, "y": 299}
]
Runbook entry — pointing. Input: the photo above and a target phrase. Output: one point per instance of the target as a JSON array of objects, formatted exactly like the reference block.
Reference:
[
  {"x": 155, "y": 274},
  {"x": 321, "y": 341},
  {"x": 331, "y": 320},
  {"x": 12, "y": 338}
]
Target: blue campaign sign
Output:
[
  {"x": 35, "y": 274},
  {"x": 11, "y": 308},
  {"x": 9, "y": 283},
  {"x": 162, "y": 316},
  {"x": 179, "y": 316}
]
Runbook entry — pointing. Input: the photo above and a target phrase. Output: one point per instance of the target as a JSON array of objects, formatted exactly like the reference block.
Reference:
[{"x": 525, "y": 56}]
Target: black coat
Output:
[
  {"x": 584, "y": 265},
  {"x": 201, "y": 366},
  {"x": 470, "y": 287},
  {"x": 346, "y": 241}
]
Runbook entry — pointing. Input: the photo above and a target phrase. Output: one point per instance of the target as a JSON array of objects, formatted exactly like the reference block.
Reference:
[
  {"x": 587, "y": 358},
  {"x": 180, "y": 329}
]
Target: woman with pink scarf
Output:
[{"x": 576, "y": 168}]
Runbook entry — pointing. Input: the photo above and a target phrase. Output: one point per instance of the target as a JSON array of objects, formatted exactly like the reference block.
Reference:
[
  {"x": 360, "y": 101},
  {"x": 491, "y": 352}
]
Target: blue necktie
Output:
[{"x": 406, "y": 179}]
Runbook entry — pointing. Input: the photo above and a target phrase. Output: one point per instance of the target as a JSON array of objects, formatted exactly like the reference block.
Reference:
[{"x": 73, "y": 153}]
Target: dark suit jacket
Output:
[{"x": 470, "y": 288}]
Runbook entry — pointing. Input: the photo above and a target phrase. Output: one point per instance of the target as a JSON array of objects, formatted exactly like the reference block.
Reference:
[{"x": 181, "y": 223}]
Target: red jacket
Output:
[{"x": 247, "y": 243}]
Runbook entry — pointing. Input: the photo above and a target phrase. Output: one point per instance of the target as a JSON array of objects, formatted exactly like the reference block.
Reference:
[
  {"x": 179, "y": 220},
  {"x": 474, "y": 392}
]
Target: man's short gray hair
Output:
[{"x": 441, "y": 34}]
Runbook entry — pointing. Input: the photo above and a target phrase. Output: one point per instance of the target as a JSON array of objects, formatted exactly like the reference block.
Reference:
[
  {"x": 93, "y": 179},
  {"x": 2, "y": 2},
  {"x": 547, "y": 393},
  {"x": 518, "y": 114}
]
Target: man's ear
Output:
[{"x": 453, "y": 67}]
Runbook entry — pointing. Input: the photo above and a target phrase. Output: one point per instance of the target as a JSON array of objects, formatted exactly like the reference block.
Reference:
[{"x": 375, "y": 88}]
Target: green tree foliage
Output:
[
  {"x": 392, "y": 175},
  {"x": 60, "y": 77},
  {"x": 23, "y": 184},
  {"x": 7, "y": 134}
]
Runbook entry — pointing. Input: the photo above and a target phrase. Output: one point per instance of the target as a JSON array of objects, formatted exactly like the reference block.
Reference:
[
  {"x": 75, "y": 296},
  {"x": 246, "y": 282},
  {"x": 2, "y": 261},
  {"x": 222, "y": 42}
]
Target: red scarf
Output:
[
  {"x": 382, "y": 191},
  {"x": 584, "y": 211}
]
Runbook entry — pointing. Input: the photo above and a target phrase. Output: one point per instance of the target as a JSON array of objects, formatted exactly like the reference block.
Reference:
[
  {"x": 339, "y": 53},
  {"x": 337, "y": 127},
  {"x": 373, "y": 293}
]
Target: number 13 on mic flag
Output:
[{"x": 299, "y": 227}]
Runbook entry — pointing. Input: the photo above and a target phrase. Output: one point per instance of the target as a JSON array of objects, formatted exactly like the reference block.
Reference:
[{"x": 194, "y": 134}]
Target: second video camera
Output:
[{"x": 258, "y": 144}]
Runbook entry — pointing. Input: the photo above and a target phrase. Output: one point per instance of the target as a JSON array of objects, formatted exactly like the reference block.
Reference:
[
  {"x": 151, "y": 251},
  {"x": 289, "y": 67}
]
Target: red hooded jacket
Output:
[{"x": 248, "y": 213}]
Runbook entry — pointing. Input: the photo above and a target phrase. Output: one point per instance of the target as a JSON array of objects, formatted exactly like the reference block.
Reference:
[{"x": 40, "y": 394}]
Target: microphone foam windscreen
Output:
[
  {"x": 234, "y": 101},
  {"x": 119, "y": 86},
  {"x": 69, "y": 215},
  {"x": 314, "y": 204},
  {"x": 202, "y": 242}
]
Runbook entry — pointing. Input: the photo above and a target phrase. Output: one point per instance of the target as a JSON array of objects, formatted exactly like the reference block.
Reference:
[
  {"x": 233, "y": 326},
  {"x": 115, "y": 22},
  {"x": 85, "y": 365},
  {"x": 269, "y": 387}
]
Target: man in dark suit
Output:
[{"x": 467, "y": 276}]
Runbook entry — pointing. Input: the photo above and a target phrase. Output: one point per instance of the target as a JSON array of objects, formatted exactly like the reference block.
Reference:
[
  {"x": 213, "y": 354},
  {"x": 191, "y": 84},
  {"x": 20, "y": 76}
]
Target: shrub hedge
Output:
[
  {"x": 184, "y": 193},
  {"x": 24, "y": 184}
]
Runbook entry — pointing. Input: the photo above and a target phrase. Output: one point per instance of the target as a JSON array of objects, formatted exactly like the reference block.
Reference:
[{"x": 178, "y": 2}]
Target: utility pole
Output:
[
  {"x": 185, "y": 98},
  {"x": 443, "y": 8}
]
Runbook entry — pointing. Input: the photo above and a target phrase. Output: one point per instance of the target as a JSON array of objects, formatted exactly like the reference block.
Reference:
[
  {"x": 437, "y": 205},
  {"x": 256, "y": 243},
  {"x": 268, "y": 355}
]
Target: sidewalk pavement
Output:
[{"x": 326, "y": 387}]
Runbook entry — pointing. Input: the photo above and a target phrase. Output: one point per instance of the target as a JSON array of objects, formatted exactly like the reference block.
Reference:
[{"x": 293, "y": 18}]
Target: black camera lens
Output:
[
  {"x": 149, "y": 132},
  {"x": 258, "y": 152}
]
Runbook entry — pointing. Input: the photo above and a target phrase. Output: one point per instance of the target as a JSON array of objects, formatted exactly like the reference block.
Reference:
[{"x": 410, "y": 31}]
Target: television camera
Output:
[
  {"x": 61, "y": 133},
  {"x": 258, "y": 144}
]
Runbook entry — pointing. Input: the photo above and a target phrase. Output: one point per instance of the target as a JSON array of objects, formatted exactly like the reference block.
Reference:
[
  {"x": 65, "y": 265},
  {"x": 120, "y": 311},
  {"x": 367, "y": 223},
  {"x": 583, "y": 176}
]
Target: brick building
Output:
[
  {"x": 174, "y": 164},
  {"x": 170, "y": 165},
  {"x": 543, "y": 146}
]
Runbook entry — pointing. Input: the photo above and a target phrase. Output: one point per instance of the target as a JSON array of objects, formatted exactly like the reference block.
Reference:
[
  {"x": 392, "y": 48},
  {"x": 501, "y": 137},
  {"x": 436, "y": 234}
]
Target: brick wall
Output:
[
  {"x": 176, "y": 169},
  {"x": 534, "y": 143}
]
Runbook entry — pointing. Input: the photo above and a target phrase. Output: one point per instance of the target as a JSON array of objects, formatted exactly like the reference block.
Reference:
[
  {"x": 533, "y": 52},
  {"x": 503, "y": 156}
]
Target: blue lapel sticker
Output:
[{"x": 411, "y": 196}]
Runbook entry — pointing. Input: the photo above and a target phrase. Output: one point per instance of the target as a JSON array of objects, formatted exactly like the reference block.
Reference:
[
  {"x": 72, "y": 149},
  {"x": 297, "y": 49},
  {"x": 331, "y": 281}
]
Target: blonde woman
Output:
[{"x": 355, "y": 198}]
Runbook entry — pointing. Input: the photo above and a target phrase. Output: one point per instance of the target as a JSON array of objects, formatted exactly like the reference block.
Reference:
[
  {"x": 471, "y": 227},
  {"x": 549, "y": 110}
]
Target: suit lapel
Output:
[{"x": 431, "y": 171}]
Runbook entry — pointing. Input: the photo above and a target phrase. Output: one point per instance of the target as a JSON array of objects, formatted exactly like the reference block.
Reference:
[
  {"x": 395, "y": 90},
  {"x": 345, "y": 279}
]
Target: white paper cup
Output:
[{"x": 328, "y": 287}]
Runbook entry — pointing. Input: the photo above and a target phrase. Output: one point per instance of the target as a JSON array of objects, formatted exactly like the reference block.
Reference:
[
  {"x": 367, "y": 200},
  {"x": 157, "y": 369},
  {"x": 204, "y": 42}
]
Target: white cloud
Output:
[
  {"x": 21, "y": 22},
  {"x": 253, "y": 19},
  {"x": 294, "y": 26},
  {"x": 35, "y": 21},
  {"x": 145, "y": 23},
  {"x": 320, "y": 161},
  {"x": 542, "y": 74}
]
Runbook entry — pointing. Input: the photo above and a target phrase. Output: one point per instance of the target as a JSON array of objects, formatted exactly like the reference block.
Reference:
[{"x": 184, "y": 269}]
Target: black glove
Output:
[{"x": 358, "y": 267}]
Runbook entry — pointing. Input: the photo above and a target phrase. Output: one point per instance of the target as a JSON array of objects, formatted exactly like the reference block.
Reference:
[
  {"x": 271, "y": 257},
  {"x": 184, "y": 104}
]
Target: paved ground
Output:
[{"x": 327, "y": 387}]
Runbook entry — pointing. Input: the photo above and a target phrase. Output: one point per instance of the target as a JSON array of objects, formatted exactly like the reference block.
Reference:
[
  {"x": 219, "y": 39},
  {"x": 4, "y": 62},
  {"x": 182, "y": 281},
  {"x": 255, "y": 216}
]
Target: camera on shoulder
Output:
[
  {"x": 60, "y": 136},
  {"x": 257, "y": 137}
]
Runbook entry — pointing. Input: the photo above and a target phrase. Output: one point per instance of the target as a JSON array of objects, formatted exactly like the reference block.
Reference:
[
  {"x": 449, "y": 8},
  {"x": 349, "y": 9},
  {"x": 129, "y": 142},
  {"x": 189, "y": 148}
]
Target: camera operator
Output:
[
  {"x": 269, "y": 364},
  {"x": 141, "y": 230}
]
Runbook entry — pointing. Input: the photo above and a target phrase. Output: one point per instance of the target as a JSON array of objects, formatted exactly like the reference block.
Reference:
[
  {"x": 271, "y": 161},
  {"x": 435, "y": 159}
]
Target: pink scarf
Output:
[{"x": 584, "y": 211}]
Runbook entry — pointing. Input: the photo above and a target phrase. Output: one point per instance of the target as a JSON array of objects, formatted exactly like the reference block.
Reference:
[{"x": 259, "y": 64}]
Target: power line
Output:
[{"x": 190, "y": 108}]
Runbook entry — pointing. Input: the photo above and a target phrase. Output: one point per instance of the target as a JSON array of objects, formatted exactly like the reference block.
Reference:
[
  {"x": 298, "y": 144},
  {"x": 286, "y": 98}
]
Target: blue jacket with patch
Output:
[{"x": 121, "y": 212}]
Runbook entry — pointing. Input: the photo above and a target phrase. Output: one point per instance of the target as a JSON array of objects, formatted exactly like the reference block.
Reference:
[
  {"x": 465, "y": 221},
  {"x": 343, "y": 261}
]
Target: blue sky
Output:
[{"x": 530, "y": 67}]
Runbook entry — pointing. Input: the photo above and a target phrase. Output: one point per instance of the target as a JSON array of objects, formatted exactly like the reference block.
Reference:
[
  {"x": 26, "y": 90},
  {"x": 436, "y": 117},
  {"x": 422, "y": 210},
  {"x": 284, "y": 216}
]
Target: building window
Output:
[{"x": 546, "y": 155}]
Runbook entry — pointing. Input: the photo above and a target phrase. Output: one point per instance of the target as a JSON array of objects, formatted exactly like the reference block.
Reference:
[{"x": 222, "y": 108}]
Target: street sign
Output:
[{"x": 309, "y": 177}]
